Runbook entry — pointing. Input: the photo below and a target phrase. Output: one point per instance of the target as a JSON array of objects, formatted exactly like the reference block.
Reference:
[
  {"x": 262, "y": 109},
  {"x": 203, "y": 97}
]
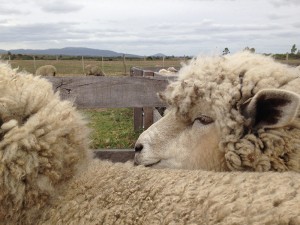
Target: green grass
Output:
[{"x": 112, "y": 128}]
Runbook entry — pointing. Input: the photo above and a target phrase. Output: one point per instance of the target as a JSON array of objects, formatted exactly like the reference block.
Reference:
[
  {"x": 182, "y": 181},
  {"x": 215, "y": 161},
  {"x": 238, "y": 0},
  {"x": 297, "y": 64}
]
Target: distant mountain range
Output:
[{"x": 72, "y": 51}]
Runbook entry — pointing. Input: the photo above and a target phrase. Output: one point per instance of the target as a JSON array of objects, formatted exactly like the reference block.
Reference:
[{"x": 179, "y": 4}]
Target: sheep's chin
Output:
[{"x": 153, "y": 164}]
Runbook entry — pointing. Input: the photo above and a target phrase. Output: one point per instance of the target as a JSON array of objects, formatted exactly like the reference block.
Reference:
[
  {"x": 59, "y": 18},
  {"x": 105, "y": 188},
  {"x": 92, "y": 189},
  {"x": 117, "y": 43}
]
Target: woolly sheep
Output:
[
  {"x": 46, "y": 70},
  {"x": 47, "y": 177},
  {"x": 237, "y": 112},
  {"x": 93, "y": 70},
  {"x": 169, "y": 71}
]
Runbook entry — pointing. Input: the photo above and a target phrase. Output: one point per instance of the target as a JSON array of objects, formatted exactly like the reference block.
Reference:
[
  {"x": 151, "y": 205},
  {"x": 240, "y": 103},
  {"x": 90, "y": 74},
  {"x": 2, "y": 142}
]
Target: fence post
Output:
[
  {"x": 34, "y": 64},
  {"x": 82, "y": 64},
  {"x": 137, "y": 112},
  {"x": 124, "y": 64},
  {"x": 148, "y": 111}
]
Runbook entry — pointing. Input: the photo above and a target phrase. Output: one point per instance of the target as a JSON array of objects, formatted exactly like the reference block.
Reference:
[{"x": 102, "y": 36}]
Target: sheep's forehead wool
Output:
[{"x": 219, "y": 87}]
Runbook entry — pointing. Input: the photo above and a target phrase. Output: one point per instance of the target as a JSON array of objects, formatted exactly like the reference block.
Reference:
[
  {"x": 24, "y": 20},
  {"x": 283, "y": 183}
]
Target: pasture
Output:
[
  {"x": 111, "y": 128},
  {"x": 110, "y": 67}
]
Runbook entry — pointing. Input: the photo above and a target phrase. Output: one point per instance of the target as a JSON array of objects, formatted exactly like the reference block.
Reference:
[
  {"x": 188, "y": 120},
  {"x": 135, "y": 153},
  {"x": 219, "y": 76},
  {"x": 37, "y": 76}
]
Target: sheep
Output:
[
  {"x": 46, "y": 70},
  {"x": 169, "y": 71},
  {"x": 227, "y": 113},
  {"x": 47, "y": 175},
  {"x": 93, "y": 70},
  {"x": 40, "y": 143}
]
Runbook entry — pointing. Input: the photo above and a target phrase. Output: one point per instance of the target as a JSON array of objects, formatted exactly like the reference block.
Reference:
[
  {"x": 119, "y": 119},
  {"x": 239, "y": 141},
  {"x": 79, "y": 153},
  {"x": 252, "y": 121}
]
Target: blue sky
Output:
[{"x": 172, "y": 27}]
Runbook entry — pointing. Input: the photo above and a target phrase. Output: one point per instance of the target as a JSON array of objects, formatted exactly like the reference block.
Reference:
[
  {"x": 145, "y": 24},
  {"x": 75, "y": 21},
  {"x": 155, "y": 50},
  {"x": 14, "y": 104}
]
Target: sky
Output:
[{"x": 147, "y": 27}]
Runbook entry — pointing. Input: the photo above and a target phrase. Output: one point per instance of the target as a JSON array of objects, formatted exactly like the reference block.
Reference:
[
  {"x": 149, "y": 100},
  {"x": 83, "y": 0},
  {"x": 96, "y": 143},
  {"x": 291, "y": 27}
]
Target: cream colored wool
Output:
[
  {"x": 46, "y": 178},
  {"x": 41, "y": 141},
  {"x": 47, "y": 70},
  {"x": 108, "y": 193},
  {"x": 220, "y": 88},
  {"x": 169, "y": 71},
  {"x": 93, "y": 70},
  {"x": 226, "y": 91}
]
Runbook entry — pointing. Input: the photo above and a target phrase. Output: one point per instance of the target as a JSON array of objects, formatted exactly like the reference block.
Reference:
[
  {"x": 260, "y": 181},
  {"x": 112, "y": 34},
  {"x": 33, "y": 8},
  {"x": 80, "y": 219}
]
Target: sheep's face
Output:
[
  {"x": 205, "y": 127},
  {"x": 186, "y": 137},
  {"x": 176, "y": 142}
]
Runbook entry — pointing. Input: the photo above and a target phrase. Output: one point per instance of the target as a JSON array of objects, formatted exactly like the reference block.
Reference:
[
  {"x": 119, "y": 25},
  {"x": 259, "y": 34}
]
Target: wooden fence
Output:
[{"x": 139, "y": 91}]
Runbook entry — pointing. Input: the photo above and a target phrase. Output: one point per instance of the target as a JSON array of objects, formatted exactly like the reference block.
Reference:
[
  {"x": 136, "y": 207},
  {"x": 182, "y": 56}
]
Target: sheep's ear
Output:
[{"x": 272, "y": 108}]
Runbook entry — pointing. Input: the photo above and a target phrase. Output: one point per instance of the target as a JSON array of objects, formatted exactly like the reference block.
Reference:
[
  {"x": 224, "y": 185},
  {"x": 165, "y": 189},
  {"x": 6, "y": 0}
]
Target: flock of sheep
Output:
[
  {"x": 227, "y": 117},
  {"x": 50, "y": 70}
]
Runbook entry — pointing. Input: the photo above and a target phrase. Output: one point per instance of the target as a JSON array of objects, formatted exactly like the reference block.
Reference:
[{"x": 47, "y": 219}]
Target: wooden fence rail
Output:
[
  {"x": 109, "y": 92},
  {"x": 138, "y": 91}
]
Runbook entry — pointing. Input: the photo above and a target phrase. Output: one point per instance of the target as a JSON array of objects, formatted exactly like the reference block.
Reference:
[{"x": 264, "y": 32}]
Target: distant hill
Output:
[
  {"x": 69, "y": 51},
  {"x": 159, "y": 55}
]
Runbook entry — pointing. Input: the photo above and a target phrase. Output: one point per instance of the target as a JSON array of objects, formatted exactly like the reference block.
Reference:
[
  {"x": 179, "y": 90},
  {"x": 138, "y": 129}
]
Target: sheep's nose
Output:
[{"x": 138, "y": 147}]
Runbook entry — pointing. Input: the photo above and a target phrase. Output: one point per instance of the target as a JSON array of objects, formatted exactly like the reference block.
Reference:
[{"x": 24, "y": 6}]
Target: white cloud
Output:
[
  {"x": 11, "y": 11},
  {"x": 275, "y": 16},
  {"x": 56, "y": 6},
  {"x": 279, "y": 3},
  {"x": 174, "y": 27}
]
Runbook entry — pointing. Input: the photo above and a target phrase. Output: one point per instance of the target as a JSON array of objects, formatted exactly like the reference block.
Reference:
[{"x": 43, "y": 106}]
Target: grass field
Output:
[
  {"x": 111, "y": 68},
  {"x": 112, "y": 128}
]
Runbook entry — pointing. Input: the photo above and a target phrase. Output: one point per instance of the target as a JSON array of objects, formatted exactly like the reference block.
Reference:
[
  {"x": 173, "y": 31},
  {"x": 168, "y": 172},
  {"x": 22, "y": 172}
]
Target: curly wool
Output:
[
  {"x": 108, "y": 193},
  {"x": 45, "y": 179},
  {"x": 226, "y": 83},
  {"x": 42, "y": 139}
]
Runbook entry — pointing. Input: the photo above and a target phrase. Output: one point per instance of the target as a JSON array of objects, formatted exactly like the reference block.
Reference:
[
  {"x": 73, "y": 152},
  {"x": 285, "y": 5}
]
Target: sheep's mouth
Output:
[{"x": 153, "y": 164}]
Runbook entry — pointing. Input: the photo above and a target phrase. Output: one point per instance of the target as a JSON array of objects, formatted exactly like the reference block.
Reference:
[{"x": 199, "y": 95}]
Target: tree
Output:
[
  {"x": 294, "y": 49},
  {"x": 226, "y": 51},
  {"x": 249, "y": 49}
]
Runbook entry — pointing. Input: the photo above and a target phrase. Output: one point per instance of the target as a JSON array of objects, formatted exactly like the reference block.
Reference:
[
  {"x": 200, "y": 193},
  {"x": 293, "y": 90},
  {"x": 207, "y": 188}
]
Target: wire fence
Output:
[{"x": 109, "y": 66}]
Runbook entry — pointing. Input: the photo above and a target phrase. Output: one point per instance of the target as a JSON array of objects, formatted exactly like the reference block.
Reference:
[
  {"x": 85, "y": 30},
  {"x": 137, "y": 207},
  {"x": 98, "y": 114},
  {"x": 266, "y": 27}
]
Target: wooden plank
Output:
[
  {"x": 137, "y": 72},
  {"x": 138, "y": 119},
  {"x": 138, "y": 124},
  {"x": 114, "y": 155},
  {"x": 109, "y": 92},
  {"x": 148, "y": 73},
  {"x": 148, "y": 117},
  {"x": 148, "y": 111}
]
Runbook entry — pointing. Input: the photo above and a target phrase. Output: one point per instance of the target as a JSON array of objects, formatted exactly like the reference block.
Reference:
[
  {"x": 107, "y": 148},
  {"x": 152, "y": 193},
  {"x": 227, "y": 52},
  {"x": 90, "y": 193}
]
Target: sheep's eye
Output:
[{"x": 204, "y": 119}]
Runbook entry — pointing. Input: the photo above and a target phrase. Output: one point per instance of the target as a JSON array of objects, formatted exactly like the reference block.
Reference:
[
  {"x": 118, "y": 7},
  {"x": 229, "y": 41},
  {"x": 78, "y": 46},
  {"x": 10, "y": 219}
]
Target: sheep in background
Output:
[
  {"x": 169, "y": 71},
  {"x": 47, "y": 177},
  {"x": 47, "y": 70},
  {"x": 236, "y": 112},
  {"x": 93, "y": 70}
]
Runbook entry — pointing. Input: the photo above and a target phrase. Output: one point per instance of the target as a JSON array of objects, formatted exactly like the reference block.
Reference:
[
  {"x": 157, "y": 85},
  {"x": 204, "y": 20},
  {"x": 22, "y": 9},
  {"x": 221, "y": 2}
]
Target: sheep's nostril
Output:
[{"x": 138, "y": 147}]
